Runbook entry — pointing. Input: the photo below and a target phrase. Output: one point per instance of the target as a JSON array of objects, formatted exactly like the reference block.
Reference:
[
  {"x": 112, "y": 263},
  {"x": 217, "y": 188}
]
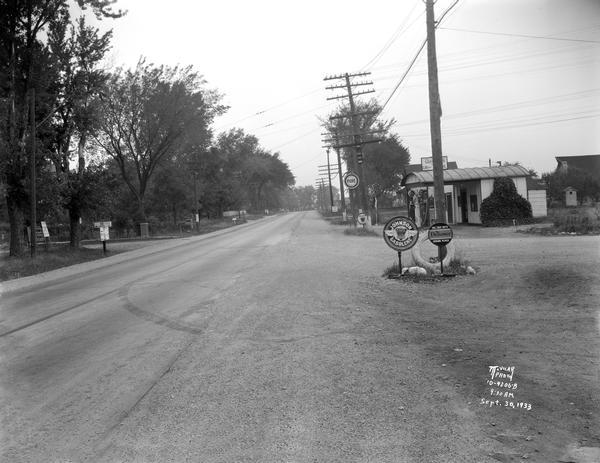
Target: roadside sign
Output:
[
  {"x": 104, "y": 234},
  {"x": 427, "y": 163},
  {"x": 45, "y": 231},
  {"x": 351, "y": 180},
  {"x": 440, "y": 234},
  {"x": 361, "y": 219},
  {"x": 102, "y": 224},
  {"x": 400, "y": 233}
]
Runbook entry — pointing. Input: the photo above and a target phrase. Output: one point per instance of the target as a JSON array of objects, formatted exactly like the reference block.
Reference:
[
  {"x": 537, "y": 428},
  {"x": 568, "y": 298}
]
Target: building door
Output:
[
  {"x": 449, "y": 208},
  {"x": 464, "y": 206}
]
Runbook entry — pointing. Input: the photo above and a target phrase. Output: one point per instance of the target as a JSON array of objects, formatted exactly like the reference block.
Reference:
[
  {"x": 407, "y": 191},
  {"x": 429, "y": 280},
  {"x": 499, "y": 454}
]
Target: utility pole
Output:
[
  {"x": 33, "y": 206},
  {"x": 329, "y": 177},
  {"x": 356, "y": 144},
  {"x": 339, "y": 163},
  {"x": 435, "y": 114}
]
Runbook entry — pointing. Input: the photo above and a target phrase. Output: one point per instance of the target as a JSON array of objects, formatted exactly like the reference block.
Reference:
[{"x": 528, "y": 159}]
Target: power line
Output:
[
  {"x": 414, "y": 60},
  {"x": 395, "y": 36},
  {"x": 520, "y": 35}
]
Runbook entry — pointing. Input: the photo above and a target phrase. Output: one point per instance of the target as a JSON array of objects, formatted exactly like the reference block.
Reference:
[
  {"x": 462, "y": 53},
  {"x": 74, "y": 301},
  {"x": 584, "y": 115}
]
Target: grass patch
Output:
[
  {"x": 19, "y": 267},
  {"x": 584, "y": 220},
  {"x": 359, "y": 231},
  {"x": 458, "y": 265},
  {"x": 579, "y": 220}
]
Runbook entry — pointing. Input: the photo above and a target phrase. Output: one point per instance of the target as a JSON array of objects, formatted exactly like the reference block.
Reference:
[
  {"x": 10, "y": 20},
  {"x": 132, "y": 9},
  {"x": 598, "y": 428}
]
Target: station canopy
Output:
[{"x": 465, "y": 175}]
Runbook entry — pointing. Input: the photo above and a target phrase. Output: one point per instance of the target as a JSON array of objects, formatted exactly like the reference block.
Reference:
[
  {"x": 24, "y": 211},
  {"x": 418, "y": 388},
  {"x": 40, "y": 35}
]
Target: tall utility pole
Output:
[
  {"x": 329, "y": 177},
  {"x": 435, "y": 114},
  {"x": 32, "y": 228},
  {"x": 357, "y": 142},
  {"x": 340, "y": 176}
]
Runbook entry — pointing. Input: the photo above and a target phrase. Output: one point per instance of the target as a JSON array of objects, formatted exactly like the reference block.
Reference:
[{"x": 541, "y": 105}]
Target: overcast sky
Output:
[{"x": 510, "y": 90}]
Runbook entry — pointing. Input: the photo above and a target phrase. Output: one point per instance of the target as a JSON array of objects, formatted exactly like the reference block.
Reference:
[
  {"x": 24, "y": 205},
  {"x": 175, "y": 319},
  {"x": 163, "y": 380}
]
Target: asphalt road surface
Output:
[{"x": 255, "y": 344}]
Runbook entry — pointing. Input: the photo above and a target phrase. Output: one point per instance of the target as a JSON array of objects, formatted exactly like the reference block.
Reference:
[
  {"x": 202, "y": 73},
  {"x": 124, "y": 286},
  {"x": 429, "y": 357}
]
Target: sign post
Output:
[
  {"x": 104, "y": 232},
  {"x": 400, "y": 233},
  {"x": 440, "y": 234}
]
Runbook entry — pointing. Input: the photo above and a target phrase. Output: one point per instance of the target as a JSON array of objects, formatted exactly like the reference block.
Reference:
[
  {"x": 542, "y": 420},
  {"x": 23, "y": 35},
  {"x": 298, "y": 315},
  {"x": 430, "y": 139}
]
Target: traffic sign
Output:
[
  {"x": 400, "y": 233},
  {"x": 351, "y": 180},
  {"x": 440, "y": 234},
  {"x": 361, "y": 219}
]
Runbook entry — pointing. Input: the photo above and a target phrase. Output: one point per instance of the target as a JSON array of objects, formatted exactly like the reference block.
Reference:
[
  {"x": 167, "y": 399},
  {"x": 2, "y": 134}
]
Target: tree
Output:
[
  {"x": 307, "y": 196},
  {"x": 586, "y": 184},
  {"x": 24, "y": 59},
  {"x": 149, "y": 114},
  {"x": 384, "y": 165},
  {"x": 504, "y": 204},
  {"x": 259, "y": 176},
  {"x": 77, "y": 51}
]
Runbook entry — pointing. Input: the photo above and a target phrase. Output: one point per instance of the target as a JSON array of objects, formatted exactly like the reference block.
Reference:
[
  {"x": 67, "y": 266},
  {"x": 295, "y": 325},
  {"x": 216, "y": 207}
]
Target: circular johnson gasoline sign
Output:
[
  {"x": 440, "y": 234},
  {"x": 400, "y": 233},
  {"x": 351, "y": 180}
]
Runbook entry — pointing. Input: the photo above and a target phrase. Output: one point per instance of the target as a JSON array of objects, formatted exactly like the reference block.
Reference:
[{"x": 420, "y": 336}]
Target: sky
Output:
[{"x": 519, "y": 79}]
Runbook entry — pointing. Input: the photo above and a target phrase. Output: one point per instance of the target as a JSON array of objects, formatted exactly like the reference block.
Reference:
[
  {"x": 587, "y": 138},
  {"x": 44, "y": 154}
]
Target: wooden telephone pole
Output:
[
  {"x": 357, "y": 142},
  {"x": 435, "y": 114}
]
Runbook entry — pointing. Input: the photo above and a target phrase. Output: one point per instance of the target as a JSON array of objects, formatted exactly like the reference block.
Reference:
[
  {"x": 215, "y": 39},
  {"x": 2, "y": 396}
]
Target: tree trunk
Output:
[
  {"x": 17, "y": 226},
  {"x": 75, "y": 229}
]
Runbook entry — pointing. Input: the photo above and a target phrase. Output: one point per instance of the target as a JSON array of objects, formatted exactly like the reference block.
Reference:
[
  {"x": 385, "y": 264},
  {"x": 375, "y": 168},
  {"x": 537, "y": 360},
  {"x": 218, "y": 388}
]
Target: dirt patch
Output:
[{"x": 532, "y": 306}]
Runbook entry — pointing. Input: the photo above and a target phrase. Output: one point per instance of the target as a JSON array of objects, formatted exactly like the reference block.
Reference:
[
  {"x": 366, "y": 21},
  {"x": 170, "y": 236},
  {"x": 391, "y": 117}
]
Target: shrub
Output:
[{"x": 504, "y": 204}]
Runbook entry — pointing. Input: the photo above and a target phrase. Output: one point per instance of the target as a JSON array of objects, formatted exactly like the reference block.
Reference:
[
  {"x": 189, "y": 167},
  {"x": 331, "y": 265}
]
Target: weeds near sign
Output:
[{"x": 359, "y": 231}]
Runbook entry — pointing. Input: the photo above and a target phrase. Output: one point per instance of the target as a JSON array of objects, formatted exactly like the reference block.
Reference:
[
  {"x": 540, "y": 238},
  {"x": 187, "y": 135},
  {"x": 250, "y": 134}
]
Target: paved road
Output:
[{"x": 255, "y": 344}]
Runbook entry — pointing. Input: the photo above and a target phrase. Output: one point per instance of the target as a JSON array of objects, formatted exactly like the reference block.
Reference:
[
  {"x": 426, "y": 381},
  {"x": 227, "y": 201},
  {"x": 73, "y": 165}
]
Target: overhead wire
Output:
[{"x": 546, "y": 37}]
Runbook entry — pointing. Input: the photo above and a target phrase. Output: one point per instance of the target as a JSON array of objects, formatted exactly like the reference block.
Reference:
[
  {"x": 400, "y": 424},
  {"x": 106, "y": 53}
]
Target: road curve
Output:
[{"x": 251, "y": 345}]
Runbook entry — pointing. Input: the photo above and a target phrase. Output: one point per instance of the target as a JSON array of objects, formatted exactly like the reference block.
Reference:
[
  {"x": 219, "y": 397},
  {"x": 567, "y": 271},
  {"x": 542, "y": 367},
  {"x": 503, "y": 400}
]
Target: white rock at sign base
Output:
[
  {"x": 470, "y": 270},
  {"x": 414, "y": 271}
]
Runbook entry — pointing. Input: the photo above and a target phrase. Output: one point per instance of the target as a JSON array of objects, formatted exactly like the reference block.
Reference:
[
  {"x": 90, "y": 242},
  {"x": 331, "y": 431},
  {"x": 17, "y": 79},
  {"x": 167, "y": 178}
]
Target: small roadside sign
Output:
[
  {"x": 351, "y": 180},
  {"x": 45, "y": 231},
  {"x": 440, "y": 234},
  {"x": 361, "y": 219},
  {"x": 104, "y": 232}
]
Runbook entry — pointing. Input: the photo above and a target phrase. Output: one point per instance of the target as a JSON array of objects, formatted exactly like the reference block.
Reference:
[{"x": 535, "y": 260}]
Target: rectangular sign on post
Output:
[
  {"x": 104, "y": 234},
  {"x": 45, "y": 231},
  {"x": 427, "y": 163},
  {"x": 102, "y": 224}
]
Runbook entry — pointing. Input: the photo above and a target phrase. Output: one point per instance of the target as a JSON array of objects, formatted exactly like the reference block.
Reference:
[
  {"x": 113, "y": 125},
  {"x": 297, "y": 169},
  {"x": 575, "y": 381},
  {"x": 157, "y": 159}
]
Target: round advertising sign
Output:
[
  {"x": 362, "y": 218},
  {"x": 440, "y": 234},
  {"x": 400, "y": 233},
  {"x": 351, "y": 180}
]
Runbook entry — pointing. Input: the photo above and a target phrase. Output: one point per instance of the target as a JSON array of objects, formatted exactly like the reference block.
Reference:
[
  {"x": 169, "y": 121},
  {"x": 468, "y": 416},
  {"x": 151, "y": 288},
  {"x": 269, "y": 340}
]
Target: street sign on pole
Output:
[
  {"x": 440, "y": 234},
  {"x": 351, "y": 180},
  {"x": 400, "y": 233}
]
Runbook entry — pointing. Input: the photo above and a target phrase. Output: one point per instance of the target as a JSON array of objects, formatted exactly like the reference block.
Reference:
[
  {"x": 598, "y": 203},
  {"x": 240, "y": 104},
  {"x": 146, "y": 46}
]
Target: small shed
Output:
[
  {"x": 570, "y": 196},
  {"x": 536, "y": 195}
]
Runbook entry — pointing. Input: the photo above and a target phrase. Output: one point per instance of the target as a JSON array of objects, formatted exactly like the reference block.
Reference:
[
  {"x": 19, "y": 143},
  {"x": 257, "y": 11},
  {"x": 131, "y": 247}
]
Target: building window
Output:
[{"x": 473, "y": 203}]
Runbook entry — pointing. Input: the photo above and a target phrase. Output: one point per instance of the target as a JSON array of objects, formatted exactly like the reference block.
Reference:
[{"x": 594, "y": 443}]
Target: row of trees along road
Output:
[
  {"x": 127, "y": 145},
  {"x": 384, "y": 162}
]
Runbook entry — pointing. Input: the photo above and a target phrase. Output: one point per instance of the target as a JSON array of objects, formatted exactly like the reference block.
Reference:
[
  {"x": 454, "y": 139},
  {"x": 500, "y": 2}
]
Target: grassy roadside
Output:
[
  {"x": 56, "y": 257},
  {"x": 61, "y": 255}
]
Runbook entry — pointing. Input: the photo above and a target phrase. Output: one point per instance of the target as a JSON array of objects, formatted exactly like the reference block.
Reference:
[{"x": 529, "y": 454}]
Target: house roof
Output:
[
  {"x": 417, "y": 167},
  {"x": 470, "y": 173},
  {"x": 589, "y": 163}
]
